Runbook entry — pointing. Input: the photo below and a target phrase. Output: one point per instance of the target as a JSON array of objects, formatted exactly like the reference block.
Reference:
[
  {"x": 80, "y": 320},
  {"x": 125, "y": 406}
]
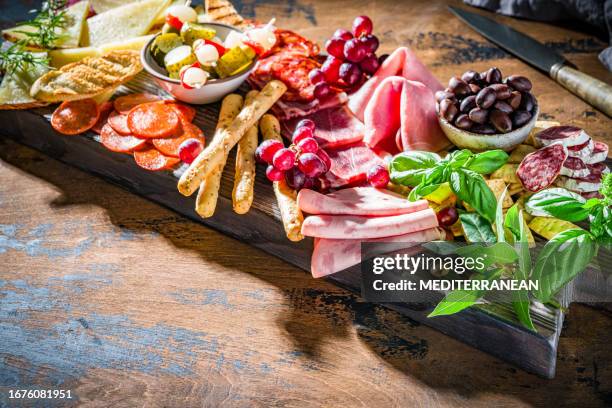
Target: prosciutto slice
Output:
[
  {"x": 404, "y": 111},
  {"x": 402, "y": 62},
  {"x": 349, "y": 166},
  {"x": 334, "y": 255},
  {"x": 366, "y": 201}
]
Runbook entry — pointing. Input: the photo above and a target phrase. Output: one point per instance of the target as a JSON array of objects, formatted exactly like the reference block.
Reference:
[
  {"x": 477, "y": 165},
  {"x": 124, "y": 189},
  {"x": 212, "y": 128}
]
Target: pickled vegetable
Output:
[
  {"x": 163, "y": 44},
  {"x": 192, "y": 31},
  {"x": 233, "y": 60},
  {"x": 178, "y": 58}
]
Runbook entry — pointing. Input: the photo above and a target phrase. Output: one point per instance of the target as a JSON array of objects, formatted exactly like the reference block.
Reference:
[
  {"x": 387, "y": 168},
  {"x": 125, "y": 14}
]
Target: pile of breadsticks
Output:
[{"x": 238, "y": 125}]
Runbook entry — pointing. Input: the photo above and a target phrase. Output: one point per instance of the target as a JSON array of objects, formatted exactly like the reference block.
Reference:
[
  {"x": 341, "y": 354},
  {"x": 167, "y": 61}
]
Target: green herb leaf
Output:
[
  {"x": 458, "y": 158},
  {"x": 601, "y": 222},
  {"x": 499, "y": 217},
  {"x": 487, "y": 162},
  {"x": 471, "y": 188},
  {"x": 521, "y": 297},
  {"x": 559, "y": 203},
  {"x": 409, "y": 168},
  {"x": 512, "y": 222},
  {"x": 499, "y": 254},
  {"x": 563, "y": 257},
  {"x": 477, "y": 228}
]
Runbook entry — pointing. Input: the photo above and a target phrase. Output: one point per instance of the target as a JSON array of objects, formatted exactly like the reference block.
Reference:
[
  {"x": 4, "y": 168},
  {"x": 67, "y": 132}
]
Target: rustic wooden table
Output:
[{"x": 125, "y": 303}]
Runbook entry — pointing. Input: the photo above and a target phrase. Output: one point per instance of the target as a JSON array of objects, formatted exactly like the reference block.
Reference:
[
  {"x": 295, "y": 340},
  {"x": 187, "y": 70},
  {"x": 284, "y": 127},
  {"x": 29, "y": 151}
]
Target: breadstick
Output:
[
  {"x": 286, "y": 197},
  {"x": 217, "y": 151},
  {"x": 244, "y": 179},
  {"x": 206, "y": 201}
]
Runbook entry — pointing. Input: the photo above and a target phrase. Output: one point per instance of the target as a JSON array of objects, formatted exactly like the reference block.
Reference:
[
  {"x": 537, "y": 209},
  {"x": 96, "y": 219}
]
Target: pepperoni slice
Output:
[
  {"x": 115, "y": 142},
  {"x": 74, "y": 117},
  {"x": 152, "y": 159},
  {"x": 154, "y": 120},
  {"x": 105, "y": 109},
  {"x": 170, "y": 146},
  {"x": 119, "y": 123},
  {"x": 185, "y": 111},
  {"x": 124, "y": 104}
]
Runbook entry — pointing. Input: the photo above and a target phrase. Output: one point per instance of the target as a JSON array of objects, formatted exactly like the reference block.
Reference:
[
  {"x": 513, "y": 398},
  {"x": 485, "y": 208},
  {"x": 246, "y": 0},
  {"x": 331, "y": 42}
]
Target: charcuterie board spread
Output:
[{"x": 350, "y": 146}]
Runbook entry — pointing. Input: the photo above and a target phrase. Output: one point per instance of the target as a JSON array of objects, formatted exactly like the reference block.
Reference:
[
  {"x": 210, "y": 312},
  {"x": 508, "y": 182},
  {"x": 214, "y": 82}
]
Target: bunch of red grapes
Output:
[
  {"x": 352, "y": 58},
  {"x": 300, "y": 164}
]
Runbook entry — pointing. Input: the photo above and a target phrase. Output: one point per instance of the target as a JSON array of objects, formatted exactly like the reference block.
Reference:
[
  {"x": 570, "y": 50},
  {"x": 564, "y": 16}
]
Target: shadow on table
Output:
[{"x": 320, "y": 310}]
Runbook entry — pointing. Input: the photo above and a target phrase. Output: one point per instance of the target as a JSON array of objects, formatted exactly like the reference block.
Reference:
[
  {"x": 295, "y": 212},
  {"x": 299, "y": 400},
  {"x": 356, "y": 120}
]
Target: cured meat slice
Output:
[
  {"x": 335, "y": 127},
  {"x": 592, "y": 194},
  {"x": 360, "y": 227},
  {"x": 367, "y": 201},
  {"x": 402, "y": 62},
  {"x": 566, "y": 135},
  {"x": 588, "y": 184},
  {"x": 574, "y": 167},
  {"x": 334, "y": 255},
  {"x": 599, "y": 153},
  {"x": 539, "y": 169},
  {"x": 349, "y": 166},
  {"x": 598, "y": 169},
  {"x": 407, "y": 106},
  {"x": 581, "y": 151}
]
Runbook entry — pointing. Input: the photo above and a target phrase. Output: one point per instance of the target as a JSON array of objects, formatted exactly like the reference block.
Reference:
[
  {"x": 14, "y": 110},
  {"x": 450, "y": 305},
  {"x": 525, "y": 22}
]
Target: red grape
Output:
[
  {"x": 370, "y": 41},
  {"x": 316, "y": 76},
  {"x": 378, "y": 176},
  {"x": 382, "y": 58},
  {"x": 309, "y": 123},
  {"x": 189, "y": 150},
  {"x": 295, "y": 178},
  {"x": 362, "y": 25},
  {"x": 330, "y": 69},
  {"x": 335, "y": 47},
  {"x": 311, "y": 165},
  {"x": 350, "y": 73},
  {"x": 447, "y": 216},
  {"x": 266, "y": 150},
  {"x": 300, "y": 133},
  {"x": 308, "y": 145},
  {"x": 274, "y": 174},
  {"x": 343, "y": 34},
  {"x": 325, "y": 157},
  {"x": 354, "y": 50},
  {"x": 369, "y": 64},
  {"x": 322, "y": 91},
  {"x": 284, "y": 159}
]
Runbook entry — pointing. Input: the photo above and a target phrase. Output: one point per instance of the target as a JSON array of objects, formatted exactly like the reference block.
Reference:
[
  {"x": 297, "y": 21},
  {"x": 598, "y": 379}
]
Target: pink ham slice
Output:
[
  {"x": 335, "y": 127},
  {"x": 350, "y": 166},
  {"x": 366, "y": 201},
  {"x": 408, "y": 107},
  {"x": 360, "y": 227},
  {"x": 334, "y": 255},
  {"x": 402, "y": 62}
]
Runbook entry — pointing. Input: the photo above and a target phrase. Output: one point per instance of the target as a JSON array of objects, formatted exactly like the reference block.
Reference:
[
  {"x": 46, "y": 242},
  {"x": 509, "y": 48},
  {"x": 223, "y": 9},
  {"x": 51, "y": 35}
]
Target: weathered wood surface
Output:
[{"x": 120, "y": 300}]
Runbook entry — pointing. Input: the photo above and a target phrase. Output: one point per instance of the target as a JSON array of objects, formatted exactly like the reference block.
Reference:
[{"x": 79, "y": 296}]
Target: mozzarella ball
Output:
[
  {"x": 207, "y": 54},
  {"x": 194, "y": 77},
  {"x": 184, "y": 13},
  {"x": 262, "y": 36}
]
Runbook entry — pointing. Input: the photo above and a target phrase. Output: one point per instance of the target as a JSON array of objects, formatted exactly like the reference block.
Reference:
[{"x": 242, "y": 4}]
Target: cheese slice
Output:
[
  {"x": 135, "y": 44},
  {"x": 59, "y": 58},
  {"x": 101, "y": 6},
  {"x": 122, "y": 23},
  {"x": 69, "y": 36},
  {"x": 15, "y": 88}
]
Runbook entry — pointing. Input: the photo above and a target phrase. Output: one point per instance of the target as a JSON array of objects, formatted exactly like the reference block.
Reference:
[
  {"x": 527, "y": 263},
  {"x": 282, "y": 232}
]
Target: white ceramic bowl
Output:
[
  {"x": 213, "y": 91},
  {"x": 478, "y": 142}
]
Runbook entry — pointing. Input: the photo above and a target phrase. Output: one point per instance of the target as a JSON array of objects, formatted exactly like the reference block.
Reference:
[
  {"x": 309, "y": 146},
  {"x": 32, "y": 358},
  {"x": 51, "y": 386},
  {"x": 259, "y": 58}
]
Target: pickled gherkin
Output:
[
  {"x": 234, "y": 60},
  {"x": 177, "y": 59},
  {"x": 192, "y": 31},
  {"x": 163, "y": 44}
]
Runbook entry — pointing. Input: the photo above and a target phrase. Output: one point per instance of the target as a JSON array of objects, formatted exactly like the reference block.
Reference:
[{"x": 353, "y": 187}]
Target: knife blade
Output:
[{"x": 591, "y": 90}]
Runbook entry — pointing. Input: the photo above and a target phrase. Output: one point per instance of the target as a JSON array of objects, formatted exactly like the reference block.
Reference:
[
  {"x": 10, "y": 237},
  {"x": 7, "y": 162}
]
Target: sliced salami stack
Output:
[{"x": 583, "y": 168}]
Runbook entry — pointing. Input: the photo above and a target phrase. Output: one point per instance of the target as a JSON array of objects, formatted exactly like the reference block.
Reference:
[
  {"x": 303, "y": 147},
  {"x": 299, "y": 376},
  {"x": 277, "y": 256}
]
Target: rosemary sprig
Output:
[
  {"x": 16, "y": 58},
  {"x": 47, "y": 24}
]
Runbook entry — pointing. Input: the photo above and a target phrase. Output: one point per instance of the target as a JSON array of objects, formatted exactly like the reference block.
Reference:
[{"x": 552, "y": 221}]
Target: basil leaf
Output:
[
  {"x": 591, "y": 202},
  {"x": 408, "y": 168},
  {"x": 487, "y": 162},
  {"x": 521, "y": 297},
  {"x": 563, "y": 257},
  {"x": 476, "y": 228},
  {"x": 430, "y": 183},
  {"x": 601, "y": 222},
  {"x": 512, "y": 222},
  {"x": 441, "y": 247},
  {"x": 500, "y": 253},
  {"x": 470, "y": 187},
  {"x": 459, "y": 157},
  {"x": 499, "y": 217},
  {"x": 559, "y": 203}
]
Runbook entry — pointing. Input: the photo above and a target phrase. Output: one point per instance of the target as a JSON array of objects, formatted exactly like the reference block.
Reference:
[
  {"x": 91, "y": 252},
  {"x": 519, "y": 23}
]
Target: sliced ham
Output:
[
  {"x": 335, "y": 127},
  {"x": 566, "y": 135},
  {"x": 366, "y": 201},
  {"x": 599, "y": 153},
  {"x": 350, "y": 166},
  {"x": 334, "y": 255},
  {"x": 360, "y": 227},
  {"x": 402, "y": 62}
]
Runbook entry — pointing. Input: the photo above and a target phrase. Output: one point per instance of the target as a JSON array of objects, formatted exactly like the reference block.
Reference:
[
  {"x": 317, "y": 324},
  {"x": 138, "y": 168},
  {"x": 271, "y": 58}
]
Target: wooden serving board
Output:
[{"x": 492, "y": 329}]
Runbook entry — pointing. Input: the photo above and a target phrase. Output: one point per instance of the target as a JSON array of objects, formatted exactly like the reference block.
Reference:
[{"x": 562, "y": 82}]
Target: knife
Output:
[{"x": 593, "y": 91}]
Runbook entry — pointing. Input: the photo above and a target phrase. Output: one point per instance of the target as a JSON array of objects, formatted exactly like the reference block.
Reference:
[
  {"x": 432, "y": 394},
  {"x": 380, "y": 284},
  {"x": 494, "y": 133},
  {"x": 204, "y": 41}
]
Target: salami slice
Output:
[
  {"x": 580, "y": 185},
  {"x": 592, "y": 194},
  {"x": 566, "y": 135},
  {"x": 581, "y": 151},
  {"x": 599, "y": 153},
  {"x": 574, "y": 167},
  {"x": 598, "y": 169},
  {"x": 539, "y": 169}
]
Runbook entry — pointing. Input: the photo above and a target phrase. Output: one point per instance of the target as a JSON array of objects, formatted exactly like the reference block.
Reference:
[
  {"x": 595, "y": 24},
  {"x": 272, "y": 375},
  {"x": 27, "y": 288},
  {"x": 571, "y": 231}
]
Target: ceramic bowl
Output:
[
  {"x": 213, "y": 91},
  {"x": 478, "y": 142}
]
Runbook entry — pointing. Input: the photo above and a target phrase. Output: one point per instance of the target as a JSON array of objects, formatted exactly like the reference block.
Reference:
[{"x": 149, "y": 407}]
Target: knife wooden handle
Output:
[{"x": 593, "y": 91}]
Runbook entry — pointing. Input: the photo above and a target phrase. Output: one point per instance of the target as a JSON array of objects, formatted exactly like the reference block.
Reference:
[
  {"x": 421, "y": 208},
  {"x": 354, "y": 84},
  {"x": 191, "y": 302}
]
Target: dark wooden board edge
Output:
[{"x": 530, "y": 351}]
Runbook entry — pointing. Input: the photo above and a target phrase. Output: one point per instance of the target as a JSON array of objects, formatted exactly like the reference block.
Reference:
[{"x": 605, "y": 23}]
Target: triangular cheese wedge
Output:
[
  {"x": 15, "y": 88},
  {"x": 102, "y": 6},
  {"x": 121, "y": 23}
]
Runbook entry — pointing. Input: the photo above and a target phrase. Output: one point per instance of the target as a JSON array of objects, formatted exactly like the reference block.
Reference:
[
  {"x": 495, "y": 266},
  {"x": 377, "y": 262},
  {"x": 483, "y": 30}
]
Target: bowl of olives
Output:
[{"x": 484, "y": 111}]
